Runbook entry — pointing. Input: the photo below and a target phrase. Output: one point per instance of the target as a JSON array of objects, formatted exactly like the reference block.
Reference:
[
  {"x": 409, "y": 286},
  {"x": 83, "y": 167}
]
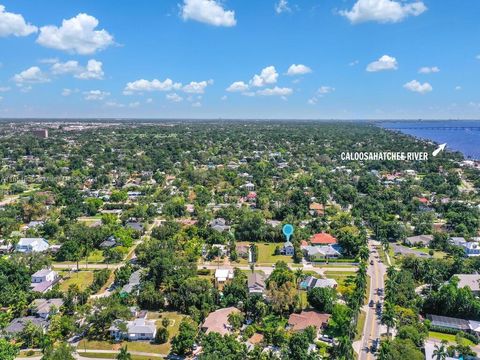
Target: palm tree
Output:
[
  {"x": 343, "y": 349},
  {"x": 388, "y": 317},
  {"x": 440, "y": 352},
  {"x": 385, "y": 352},
  {"x": 124, "y": 354}
]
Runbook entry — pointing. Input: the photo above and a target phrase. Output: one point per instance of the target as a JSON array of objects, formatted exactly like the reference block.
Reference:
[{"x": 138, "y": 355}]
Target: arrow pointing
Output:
[{"x": 440, "y": 148}]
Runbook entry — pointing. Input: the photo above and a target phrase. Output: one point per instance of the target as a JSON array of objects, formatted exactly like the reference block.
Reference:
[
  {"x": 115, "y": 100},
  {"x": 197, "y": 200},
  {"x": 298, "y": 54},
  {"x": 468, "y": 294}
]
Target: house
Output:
[
  {"x": 217, "y": 321},
  {"x": 256, "y": 283},
  {"x": 299, "y": 322},
  {"x": 138, "y": 329},
  {"x": 471, "y": 281},
  {"x": 109, "y": 243},
  {"x": 255, "y": 339},
  {"x": 133, "y": 282},
  {"x": 422, "y": 240},
  {"x": 316, "y": 209},
  {"x": 222, "y": 275},
  {"x": 44, "y": 308},
  {"x": 31, "y": 245},
  {"x": 242, "y": 250},
  {"x": 18, "y": 324},
  {"x": 323, "y": 239},
  {"x": 320, "y": 253},
  {"x": 219, "y": 225},
  {"x": 273, "y": 223},
  {"x": 471, "y": 248},
  {"x": 135, "y": 226},
  {"x": 312, "y": 282},
  {"x": 43, "y": 280},
  {"x": 430, "y": 348},
  {"x": 34, "y": 224},
  {"x": 5, "y": 247},
  {"x": 287, "y": 249},
  {"x": 249, "y": 186}
]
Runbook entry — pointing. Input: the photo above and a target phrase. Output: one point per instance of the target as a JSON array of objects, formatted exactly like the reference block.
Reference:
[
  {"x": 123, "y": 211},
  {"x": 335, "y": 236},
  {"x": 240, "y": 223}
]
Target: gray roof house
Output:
[
  {"x": 18, "y": 324},
  {"x": 470, "y": 280},
  {"x": 423, "y": 240},
  {"x": 287, "y": 248},
  {"x": 256, "y": 283},
  {"x": 133, "y": 282},
  {"x": 312, "y": 282},
  {"x": 219, "y": 225},
  {"x": 43, "y": 280},
  {"x": 43, "y": 307},
  {"x": 138, "y": 329}
]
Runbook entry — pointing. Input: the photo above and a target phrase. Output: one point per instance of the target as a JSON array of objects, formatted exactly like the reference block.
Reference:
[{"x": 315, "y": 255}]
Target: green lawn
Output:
[
  {"x": 93, "y": 355},
  {"x": 346, "y": 281},
  {"x": 360, "y": 324},
  {"x": 447, "y": 337},
  {"x": 436, "y": 254},
  {"x": 142, "y": 346},
  {"x": 96, "y": 256},
  {"x": 81, "y": 278},
  {"x": 266, "y": 253},
  {"x": 29, "y": 353}
]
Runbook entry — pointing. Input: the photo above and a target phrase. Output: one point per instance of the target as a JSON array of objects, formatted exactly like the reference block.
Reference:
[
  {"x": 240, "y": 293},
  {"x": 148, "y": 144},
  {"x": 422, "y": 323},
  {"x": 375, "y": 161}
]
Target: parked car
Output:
[
  {"x": 371, "y": 303},
  {"x": 375, "y": 344}
]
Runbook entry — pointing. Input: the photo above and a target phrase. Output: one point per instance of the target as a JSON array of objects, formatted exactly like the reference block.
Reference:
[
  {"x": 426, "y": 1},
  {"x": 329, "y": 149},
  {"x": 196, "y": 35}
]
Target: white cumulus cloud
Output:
[
  {"x": 93, "y": 70},
  {"x": 429, "y": 69},
  {"x": 416, "y": 86},
  {"x": 275, "y": 91},
  {"x": 298, "y": 69},
  {"x": 174, "y": 97},
  {"x": 32, "y": 75},
  {"x": 383, "y": 11},
  {"x": 209, "y": 12},
  {"x": 14, "y": 24},
  {"x": 384, "y": 63},
  {"x": 282, "y": 6},
  {"x": 76, "y": 35},
  {"x": 237, "y": 86},
  {"x": 268, "y": 76},
  {"x": 195, "y": 87},
  {"x": 153, "y": 85},
  {"x": 95, "y": 95}
]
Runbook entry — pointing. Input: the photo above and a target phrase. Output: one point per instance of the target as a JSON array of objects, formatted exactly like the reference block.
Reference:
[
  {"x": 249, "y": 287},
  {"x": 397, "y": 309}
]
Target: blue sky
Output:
[{"x": 368, "y": 59}]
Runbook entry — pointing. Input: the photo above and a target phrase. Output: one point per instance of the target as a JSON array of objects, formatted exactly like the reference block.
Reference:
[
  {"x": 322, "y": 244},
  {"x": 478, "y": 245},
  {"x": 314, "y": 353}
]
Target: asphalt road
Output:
[{"x": 373, "y": 328}]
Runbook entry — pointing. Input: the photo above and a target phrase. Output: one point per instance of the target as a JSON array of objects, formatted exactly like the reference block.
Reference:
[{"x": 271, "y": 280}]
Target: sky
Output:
[{"x": 260, "y": 59}]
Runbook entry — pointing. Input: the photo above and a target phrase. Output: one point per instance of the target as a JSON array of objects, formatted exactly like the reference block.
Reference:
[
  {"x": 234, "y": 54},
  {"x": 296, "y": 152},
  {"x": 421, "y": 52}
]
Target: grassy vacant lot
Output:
[
  {"x": 346, "y": 282},
  {"x": 29, "y": 353},
  {"x": 141, "y": 346},
  {"x": 266, "y": 253},
  {"x": 81, "y": 278}
]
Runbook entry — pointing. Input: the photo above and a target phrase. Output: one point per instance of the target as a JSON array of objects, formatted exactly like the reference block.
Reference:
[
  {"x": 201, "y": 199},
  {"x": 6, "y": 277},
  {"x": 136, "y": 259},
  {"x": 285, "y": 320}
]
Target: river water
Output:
[{"x": 460, "y": 135}]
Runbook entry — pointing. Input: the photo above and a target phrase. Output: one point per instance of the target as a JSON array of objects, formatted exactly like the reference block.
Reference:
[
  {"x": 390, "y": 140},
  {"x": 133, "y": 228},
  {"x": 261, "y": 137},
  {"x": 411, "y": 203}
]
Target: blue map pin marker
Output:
[{"x": 287, "y": 231}]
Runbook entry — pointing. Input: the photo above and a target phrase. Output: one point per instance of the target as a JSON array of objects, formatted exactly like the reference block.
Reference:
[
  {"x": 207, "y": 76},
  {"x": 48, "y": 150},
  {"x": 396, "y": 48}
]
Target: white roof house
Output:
[
  {"x": 29, "y": 245},
  {"x": 222, "y": 275},
  {"x": 138, "y": 329},
  {"x": 43, "y": 280}
]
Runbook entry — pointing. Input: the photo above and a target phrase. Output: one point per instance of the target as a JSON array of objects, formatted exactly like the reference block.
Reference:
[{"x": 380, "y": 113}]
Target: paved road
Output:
[
  {"x": 268, "y": 269},
  {"x": 372, "y": 328}
]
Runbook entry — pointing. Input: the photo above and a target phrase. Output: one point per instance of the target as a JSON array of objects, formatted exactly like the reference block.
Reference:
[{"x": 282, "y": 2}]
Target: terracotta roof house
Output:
[
  {"x": 322, "y": 239},
  {"x": 316, "y": 209},
  {"x": 299, "y": 322},
  {"x": 217, "y": 321}
]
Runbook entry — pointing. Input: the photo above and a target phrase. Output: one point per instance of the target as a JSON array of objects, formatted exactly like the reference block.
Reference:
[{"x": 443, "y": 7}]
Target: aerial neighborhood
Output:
[{"x": 151, "y": 240}]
